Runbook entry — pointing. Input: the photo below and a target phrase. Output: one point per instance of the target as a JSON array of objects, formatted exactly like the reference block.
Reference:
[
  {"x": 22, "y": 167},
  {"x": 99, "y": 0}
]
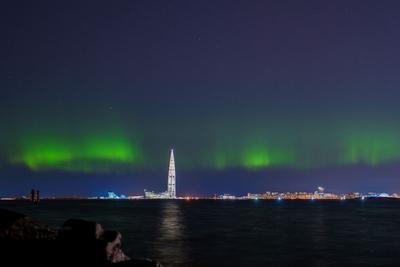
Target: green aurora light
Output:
[
  {"x": 91, "y": 153},
  {"x": 115, "y": 150},
  {"x": 260, "y": 157},
  {"x": 254, "y": 157},
  {"x": 371, "y": 148}
]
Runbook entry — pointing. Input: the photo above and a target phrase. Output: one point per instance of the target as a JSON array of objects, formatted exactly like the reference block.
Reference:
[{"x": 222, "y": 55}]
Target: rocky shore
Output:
[{"x": 24, "y": 240}]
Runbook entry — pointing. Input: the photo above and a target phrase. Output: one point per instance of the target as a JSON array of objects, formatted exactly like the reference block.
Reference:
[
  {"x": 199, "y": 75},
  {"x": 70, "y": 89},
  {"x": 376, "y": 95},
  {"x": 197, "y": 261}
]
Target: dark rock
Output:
[
  {"x": 77, "y": 229},
  {"x": 24, "y": 241},
  {"x": 138, "y": 263},
  {"x": 16, "y": 226}
]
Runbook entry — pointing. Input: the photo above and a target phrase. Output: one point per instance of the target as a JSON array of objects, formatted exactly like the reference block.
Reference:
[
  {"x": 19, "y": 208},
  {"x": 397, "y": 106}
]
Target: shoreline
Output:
[{"x": 198, "y": 199}]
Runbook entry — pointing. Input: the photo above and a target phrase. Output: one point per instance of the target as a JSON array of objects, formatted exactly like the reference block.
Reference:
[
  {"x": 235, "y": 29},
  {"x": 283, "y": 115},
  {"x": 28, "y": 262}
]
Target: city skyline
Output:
[{"x": 276, "y": 95}]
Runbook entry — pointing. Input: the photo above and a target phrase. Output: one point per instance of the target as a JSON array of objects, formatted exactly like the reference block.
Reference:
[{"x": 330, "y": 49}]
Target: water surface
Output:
[{"x": 241, "y": 233}]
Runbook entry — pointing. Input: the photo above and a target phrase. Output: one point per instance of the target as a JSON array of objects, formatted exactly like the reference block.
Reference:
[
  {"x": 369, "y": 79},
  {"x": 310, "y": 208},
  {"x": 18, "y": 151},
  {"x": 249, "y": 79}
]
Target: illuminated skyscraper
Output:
[
  {"x": 171, "y": 189},
  {"x": 171, "y": 176}
]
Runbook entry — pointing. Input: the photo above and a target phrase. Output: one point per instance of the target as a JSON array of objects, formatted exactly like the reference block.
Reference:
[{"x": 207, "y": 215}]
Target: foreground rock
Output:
[
  {"x": 78, "y": 243},
  {"x": 16, "y": 226}
]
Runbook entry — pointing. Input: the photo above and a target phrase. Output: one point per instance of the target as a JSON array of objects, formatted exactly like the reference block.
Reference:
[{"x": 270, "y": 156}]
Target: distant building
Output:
[
  {"x": 112, "y": 195},
  {"x": 171, "y": 187},
  {"x": 136, "y": 197},
  {"x": 253, "y": 196},
  {"x": 153, "y": 195},
  {"x": 171, "y": 176},
  {"x": 227, "y": 196}
]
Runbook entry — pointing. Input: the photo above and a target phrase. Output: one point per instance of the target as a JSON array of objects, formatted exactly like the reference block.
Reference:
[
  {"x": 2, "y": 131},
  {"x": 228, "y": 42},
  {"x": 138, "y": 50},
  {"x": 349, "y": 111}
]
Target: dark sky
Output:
[{"x": 252, "y": 95}]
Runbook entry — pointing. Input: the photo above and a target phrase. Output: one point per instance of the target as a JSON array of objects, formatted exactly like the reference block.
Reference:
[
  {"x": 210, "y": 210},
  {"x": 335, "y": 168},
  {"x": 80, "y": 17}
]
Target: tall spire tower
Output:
[{"x": 171, "y": 176}]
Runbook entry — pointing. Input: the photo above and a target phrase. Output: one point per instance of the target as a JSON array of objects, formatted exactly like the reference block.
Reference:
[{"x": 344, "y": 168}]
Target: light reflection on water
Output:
[{"x": 171, "y": 233}]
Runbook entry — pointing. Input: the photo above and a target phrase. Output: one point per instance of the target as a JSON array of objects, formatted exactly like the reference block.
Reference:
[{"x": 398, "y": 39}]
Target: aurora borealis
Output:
[
  {"x": 268, "y": 95},
  {"x": 86, "y": 153}
]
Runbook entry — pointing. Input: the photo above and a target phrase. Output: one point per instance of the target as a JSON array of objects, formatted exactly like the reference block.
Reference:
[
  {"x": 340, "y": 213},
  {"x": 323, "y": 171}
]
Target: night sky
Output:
[{"x": 254, "y": 96}]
